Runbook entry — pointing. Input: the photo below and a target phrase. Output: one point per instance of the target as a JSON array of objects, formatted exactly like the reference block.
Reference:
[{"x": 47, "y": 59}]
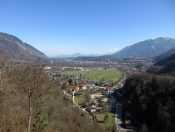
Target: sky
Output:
[{"x": 62, "y": 27}]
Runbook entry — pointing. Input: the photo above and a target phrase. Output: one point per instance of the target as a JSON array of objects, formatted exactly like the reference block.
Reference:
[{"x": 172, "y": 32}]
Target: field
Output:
[
  {"x": 99, "y": 74},
  {"x": 81, "y": 99},
  {"x": 106, "y": 121}
]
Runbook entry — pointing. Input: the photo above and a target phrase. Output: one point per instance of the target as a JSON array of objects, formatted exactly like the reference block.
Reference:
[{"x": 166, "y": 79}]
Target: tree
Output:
[
  {"x": 70, "y": 81},
  {"x": 87, "y": 97},
  {"x": 41, "y": 119},
  {"x": 64, "y": 85},
  {"x": 106, "y": 118},
  {"x": 144, "y": 128},
  {"x": 30, "y": 79},
  {"x": 3, "y": 92}
]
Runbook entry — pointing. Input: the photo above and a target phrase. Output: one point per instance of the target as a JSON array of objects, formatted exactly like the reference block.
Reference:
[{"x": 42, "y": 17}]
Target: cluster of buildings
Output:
[{"x": 98, "y": 91}]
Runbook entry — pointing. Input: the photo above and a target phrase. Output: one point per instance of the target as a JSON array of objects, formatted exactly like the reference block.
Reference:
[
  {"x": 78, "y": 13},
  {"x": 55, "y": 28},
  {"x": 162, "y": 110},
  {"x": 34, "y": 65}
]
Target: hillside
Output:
[
  {"x": 31, "y": 96},
  {"x": 151, "y": 100},
  {"x": 167, "y": 65},
  {"x": 165, "y": 55},
  {"x": 166, "y": 61},
  {"x": 148, "y": 48},
  {"x": 12, "y": 48}
]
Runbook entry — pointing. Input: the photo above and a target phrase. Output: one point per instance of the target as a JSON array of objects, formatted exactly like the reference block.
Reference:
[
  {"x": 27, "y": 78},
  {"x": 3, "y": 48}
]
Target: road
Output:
[{"x": 73, "y": 99}]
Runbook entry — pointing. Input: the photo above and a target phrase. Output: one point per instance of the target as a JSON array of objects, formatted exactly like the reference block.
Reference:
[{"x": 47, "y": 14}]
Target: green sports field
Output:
[{"x": 98, "y": 74}]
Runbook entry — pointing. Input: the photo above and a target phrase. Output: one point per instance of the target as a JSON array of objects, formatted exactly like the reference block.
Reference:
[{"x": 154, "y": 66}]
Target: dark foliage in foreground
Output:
[{"x": 151, "y": 100}]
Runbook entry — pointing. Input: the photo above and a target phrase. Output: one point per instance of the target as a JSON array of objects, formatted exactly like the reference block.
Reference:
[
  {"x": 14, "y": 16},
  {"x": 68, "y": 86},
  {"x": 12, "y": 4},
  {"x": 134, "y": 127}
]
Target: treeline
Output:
[
  {"x": 96, "y": 58},
  {"x": 151, "y": 101},
  {"x": 30, "y": 101}
]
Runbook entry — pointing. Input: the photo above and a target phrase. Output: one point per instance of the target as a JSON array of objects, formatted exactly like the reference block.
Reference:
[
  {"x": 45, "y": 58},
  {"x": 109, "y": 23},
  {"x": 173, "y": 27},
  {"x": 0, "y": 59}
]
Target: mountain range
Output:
[
  {"x": 76, "y": 55},
  {"x": 148, "y": 48},
  {"x": 12, "y": 48}
]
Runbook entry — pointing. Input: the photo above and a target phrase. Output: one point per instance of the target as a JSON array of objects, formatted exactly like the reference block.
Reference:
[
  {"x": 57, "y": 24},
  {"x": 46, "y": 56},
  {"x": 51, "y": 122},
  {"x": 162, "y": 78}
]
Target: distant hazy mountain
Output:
[
  {"x": 76, "y": 55},
  {"x": 13, "y": 48},
  {"x": 148, "y": 48}
]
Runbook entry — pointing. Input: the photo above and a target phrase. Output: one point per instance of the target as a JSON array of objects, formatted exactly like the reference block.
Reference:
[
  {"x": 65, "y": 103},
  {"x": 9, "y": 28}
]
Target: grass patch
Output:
[
  {"x": 100, "y": 117},
  {"x": 106, "y": 121},
  {"x": 80, "y": 99},
  {"x": 111, "y": 119},
  {"x": 97, "y": 74}
]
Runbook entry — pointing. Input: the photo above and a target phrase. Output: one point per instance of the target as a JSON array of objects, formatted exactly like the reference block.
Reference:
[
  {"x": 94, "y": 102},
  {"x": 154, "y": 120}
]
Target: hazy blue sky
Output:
[{"x": 87, "y": 26}]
